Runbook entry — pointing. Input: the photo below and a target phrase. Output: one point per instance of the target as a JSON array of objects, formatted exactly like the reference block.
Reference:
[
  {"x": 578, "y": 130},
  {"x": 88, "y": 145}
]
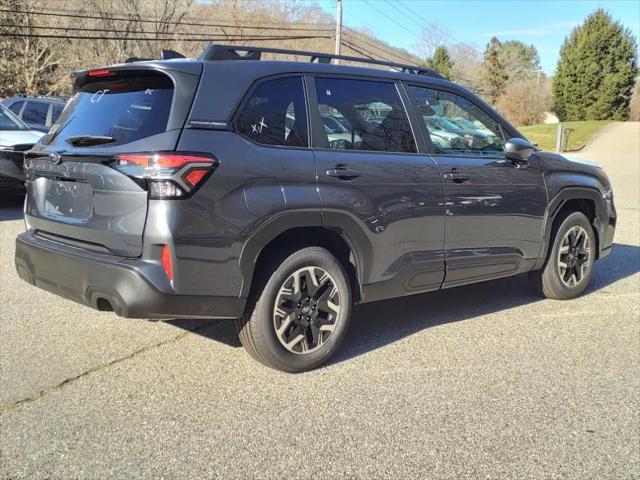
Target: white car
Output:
[
  {"x": 15, "y": 138},
  {"x": 441, "y": 137}
]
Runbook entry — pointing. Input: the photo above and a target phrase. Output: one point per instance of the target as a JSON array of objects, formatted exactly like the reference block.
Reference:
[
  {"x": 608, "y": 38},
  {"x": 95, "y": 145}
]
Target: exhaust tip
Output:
[{"x": 104, "y": 305}]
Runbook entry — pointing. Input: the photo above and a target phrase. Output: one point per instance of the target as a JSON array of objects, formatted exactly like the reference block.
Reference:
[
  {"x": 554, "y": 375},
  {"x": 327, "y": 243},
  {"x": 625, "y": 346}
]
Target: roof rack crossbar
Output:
[{"x": 230, "y": 52}]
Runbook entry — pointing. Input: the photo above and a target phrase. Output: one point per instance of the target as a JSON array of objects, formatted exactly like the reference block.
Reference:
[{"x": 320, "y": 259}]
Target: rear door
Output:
[
  {"x": 372, "y": 175},
  {"x": 494, "y": 208},
  {"x": 77, "y": 192}
]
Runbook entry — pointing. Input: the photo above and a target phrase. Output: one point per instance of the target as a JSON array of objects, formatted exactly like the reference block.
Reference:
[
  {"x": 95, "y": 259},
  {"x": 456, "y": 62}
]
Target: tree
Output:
[
  {"x": 493, "y": 74},
  {"x": 525, "y": 101},
  {"x": 467, "y": 63},
  {"x": 441, "y": 62},
  {"x": 28, "y": 64},
  {"x": 596, "y": 71},
  {"x": 519, "y": 59}
]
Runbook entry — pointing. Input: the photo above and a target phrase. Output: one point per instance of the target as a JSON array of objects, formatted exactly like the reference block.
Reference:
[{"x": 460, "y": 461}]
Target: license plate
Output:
[{"x": 71, "y": 200}]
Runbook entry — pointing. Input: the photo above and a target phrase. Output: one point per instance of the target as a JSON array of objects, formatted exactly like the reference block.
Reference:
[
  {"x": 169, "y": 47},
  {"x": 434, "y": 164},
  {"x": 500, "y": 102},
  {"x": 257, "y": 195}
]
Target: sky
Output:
[{"x": 543, "y": 23}]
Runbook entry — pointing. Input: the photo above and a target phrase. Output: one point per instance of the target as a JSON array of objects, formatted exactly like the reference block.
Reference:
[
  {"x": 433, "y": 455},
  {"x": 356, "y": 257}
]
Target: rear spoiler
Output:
[{"x": 164, "y": 55}]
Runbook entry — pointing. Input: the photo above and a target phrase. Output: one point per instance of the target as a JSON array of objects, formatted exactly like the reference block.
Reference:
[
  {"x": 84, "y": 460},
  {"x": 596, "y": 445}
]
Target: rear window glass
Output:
[
  {"x": 36, "y": 112},
  {"x": 126, "y": 108}
]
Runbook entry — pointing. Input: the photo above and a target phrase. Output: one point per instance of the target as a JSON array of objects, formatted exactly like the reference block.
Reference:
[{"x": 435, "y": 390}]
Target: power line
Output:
[
  {"x": 153, "y": 39},
  {"x": 108, "y": 16},
  {"x": 404, "y": 14},
  {"x": 430, "y": 24},
  {"x": 383, "y": 48},
  {"x": 167, "y": 35},
  {"x": 391, "y": 19}
]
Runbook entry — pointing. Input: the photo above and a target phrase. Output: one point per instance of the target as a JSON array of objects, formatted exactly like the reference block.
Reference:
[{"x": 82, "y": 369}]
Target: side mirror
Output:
[{"x": 518, "y": 150}]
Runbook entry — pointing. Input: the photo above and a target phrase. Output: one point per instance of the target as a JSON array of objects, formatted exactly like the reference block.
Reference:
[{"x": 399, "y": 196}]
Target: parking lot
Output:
[{"x": 486, "y": 381}]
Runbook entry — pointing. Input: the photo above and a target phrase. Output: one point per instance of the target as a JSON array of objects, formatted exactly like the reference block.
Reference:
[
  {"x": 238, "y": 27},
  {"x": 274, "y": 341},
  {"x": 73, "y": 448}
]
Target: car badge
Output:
[{"x": 55, "y": 158}]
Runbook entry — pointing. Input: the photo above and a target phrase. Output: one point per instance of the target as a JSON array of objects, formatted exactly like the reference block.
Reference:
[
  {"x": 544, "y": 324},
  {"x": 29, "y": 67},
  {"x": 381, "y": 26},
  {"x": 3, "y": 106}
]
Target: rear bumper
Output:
[{"x": 110, "y": 283}]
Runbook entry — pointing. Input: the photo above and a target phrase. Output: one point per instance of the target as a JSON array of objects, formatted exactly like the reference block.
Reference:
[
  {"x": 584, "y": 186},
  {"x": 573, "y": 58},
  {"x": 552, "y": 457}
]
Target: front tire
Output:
[
  {"x": 569, "y": 265},
  {"x": 299, "y": 311}
]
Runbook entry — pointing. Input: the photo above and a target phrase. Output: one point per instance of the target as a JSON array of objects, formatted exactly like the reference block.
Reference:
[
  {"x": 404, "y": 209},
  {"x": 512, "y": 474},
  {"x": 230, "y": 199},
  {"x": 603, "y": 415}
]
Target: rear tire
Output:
[
  {"x": 567, "y": 271},
  {"x": 298, "y": 312}
]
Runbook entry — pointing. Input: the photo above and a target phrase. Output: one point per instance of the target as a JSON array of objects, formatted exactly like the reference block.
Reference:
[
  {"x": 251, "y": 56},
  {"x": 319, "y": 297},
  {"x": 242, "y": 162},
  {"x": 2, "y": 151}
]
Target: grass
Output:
[{"x": 545, "y": 134}]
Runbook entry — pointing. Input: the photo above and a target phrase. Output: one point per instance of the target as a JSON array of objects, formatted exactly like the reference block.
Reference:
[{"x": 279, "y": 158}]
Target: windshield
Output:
[
  {"x": 9, "y": 122},
  {"x": 123, "y": 106}
]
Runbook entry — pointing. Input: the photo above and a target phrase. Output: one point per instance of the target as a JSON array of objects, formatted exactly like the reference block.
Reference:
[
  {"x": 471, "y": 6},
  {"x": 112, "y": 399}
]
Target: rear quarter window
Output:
[
  {"x": 126, "y": 106},
  {"x": 55, "y": 113},
  {"x": 15, "y": 107}
]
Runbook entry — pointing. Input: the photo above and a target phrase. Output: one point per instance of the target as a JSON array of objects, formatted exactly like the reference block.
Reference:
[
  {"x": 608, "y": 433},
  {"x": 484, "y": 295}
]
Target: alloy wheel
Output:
[
  {"x": 574, "y": 257},
  {"x": 306, "y": 310}
]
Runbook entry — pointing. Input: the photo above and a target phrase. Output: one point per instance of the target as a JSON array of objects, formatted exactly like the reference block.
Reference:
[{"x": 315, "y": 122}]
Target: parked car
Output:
[
  {"x": 177, "y": 189},
  {"x": 467, "y": 124},
  {"x": 39, "y": 112},
  {"x": 441, "y": 137},
  {"x": 472, "y": 138},
  {"x": 15, "y": 138}
]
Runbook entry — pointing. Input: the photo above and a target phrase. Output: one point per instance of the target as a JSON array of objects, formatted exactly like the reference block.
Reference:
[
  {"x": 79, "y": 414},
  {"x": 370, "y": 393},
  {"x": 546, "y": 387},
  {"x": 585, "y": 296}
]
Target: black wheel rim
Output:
[
  {"x": 306, "y": 310},
  {"x": 574, "y": 257}
]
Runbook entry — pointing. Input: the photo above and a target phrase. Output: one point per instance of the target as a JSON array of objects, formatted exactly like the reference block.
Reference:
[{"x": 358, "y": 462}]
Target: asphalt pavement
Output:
[{"x": 485, "y": 381}]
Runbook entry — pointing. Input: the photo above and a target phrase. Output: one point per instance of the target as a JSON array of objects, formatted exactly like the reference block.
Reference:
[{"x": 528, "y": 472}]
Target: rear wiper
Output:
[{"x": 88, "y": 140}]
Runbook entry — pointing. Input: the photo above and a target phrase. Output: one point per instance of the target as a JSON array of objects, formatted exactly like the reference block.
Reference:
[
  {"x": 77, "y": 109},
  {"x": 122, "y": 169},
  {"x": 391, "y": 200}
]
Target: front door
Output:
[
  {"x": 373, "y": 180},
  {"x": 494, "y": 209}
]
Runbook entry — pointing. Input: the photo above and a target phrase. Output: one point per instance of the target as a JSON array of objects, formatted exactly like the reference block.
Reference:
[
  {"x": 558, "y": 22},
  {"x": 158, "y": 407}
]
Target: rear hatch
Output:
[{"x": 79, "y": 190}]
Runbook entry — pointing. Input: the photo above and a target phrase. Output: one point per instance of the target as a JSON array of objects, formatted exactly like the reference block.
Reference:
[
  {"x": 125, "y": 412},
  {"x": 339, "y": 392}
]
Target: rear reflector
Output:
[
  {"x": 167, "y": 266},
  {"x": 169, "y": 174},
  {"x": 194, "y": 176}
]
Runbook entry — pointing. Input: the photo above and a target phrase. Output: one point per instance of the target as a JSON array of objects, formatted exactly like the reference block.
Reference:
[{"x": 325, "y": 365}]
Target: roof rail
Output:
[{"x": 230, "y": 52}]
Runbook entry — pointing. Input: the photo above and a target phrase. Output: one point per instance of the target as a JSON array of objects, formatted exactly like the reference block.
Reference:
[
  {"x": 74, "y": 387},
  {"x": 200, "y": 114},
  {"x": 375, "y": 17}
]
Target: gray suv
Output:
[{"x": 211, "y": 188}]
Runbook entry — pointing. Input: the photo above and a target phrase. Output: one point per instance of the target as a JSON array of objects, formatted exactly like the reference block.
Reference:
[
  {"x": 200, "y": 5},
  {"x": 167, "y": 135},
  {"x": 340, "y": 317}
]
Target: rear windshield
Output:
[{"x": 123, "y": 106}]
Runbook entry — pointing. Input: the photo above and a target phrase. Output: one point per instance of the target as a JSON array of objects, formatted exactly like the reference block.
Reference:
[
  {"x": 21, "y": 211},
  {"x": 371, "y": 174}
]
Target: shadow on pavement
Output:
[
  {"x": 375, "y": 325},
  {"x": 11, "y": 206}
]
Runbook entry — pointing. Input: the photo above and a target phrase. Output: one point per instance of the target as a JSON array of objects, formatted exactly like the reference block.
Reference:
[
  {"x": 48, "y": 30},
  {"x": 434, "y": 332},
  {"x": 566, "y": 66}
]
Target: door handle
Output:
[
  {"x": 343, "y": 173},
  {"x": 456, "y": 177}
]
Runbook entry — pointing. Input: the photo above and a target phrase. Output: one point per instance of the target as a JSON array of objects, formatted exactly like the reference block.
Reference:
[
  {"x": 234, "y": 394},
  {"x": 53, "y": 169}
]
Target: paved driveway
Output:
[{"x": 484, "y": 381}]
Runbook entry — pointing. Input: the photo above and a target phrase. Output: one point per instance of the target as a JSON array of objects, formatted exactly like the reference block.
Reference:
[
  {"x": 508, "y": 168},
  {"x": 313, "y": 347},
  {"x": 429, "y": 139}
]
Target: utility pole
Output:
[{"x": 338, "y": 28}]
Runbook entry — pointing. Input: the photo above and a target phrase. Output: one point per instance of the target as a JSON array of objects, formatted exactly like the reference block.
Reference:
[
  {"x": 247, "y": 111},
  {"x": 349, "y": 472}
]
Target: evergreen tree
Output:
[
  {"x": 493, "y": 74},
  {"x": 596, "y": 71},
  {"x": 521, "y": 61},
  {"x": 441, "y": 62}
]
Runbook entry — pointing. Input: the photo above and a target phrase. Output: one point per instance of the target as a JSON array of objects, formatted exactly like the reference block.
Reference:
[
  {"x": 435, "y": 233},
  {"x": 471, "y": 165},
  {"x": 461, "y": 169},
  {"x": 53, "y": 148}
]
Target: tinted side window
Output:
[
  {"x": 275, "y": 114},
  {"x": 367, "y": 115},
  {"x": 15, "y": 107},
  {"x": 36, "y": 112},
  {"x": 456, "y": 125},
  {"x": 57, "y": 110}
]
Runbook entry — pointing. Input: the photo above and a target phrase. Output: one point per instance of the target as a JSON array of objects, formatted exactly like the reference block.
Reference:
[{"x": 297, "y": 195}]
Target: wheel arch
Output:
[
  {"x": 587, "y": 200},
  {"x": 293, "y": 231}
]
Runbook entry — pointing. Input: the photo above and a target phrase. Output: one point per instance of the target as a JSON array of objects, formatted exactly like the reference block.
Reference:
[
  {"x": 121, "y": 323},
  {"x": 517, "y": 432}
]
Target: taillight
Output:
[{"x": 168, "y": 174}]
